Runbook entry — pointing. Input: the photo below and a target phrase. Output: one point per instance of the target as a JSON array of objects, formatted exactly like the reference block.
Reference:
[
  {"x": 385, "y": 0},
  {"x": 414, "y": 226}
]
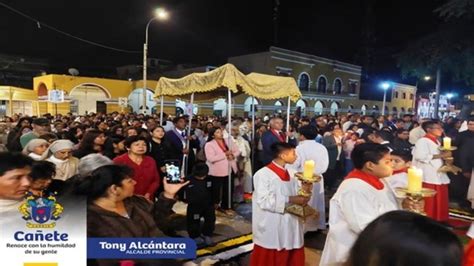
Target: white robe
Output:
[
  {"x": 311, "y": 150},
  {"x": 354, "y": 205},
  {"x": 273, "y": 228},
  {"x": 399, "y": 180},
  {"x": 423, "y": 154}
]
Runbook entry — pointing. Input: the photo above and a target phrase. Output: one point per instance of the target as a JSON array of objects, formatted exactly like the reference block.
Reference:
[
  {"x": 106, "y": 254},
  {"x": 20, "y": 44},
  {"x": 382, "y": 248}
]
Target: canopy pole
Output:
[
  {"x": 288, "y": 118},
  {"x": 161, "y": 110},
  {"x": 253, "y": 135},
  {"x": 229, "y": 124},
  {"x": 188, "y": 136}
]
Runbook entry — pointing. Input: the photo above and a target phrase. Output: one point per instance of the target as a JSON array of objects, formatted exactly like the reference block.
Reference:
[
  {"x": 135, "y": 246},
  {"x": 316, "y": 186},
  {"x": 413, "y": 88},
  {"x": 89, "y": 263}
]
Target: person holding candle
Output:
[
  {"x": 361, "y": 198},
  {"x": 314, "y": 157},
  {"x": 278, "y": 236},
  {"x": 428, "y": 157}
]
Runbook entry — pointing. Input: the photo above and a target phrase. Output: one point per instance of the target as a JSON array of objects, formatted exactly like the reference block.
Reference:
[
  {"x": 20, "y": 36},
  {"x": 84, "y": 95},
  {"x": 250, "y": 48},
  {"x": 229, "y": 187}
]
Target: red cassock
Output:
[
  {"x": 437, "y": 207},
  {"x": 272, "y": 257}
]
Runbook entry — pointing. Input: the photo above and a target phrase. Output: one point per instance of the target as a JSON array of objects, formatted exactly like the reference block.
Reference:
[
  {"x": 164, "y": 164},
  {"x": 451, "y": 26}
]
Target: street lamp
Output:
[
  {"x": 160, "y": 14},
  {"x": 427, "y": 78},
  {"x": 384, "y": 86}
]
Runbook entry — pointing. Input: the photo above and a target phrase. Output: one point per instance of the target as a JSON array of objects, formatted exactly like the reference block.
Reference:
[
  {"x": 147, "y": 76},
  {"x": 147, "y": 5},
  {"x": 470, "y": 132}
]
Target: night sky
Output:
[{"x": 206, "y": 32}]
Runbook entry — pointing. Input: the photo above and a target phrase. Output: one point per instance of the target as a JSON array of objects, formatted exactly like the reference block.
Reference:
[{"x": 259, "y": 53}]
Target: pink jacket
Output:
[{"x": 216, "y": 159}]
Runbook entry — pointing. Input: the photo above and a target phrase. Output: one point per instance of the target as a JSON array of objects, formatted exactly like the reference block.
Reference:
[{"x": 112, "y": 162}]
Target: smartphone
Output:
[{"x": 173, "y": 172}]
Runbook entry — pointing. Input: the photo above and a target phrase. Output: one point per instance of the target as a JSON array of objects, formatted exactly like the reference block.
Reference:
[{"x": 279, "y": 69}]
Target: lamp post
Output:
[
  {"x": 385, "y": 86},
  {"x": 160, "y": 14},
  {"x": 415, "y": 107}
]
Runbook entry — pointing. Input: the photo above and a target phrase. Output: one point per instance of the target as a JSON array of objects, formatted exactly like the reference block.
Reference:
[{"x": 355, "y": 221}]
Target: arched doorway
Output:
[
  {"x": 402, "y": 111},
  {"x": 394, "y": 110},
  {"x": 375, "y": 110},
  {"x": 248, "y": 105},
  {"x": 220, "y": 107},
  {"x": 301, "y": 106},
  {"x": 334, "y": 108},
  {"x": 278, "y": 107},
  {"x": 318, "y": 108},
  {"x": 350, "y": 108},
  {"x": 135, "y": 99},
  {"x": 89, "y": 98},
  {"x": 363, "y": 109}
]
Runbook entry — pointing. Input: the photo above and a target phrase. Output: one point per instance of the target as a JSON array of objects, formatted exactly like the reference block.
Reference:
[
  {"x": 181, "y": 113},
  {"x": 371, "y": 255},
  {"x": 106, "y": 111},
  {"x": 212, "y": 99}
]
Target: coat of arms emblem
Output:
[{"x": 38, "y": 211}]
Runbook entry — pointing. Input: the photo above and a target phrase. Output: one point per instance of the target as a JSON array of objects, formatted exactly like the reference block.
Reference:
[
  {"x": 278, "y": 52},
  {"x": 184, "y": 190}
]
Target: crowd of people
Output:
[{"x": 121, "y": 162}]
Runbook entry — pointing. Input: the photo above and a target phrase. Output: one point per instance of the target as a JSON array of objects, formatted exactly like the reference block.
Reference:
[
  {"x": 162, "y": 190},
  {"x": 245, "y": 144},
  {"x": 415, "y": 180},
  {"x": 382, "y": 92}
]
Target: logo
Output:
[{"x": 38, "y": 211}]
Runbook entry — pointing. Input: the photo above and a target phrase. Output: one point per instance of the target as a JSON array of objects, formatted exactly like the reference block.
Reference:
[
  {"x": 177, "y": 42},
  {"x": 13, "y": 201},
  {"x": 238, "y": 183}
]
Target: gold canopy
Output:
[{"x": 210, "y": 85}]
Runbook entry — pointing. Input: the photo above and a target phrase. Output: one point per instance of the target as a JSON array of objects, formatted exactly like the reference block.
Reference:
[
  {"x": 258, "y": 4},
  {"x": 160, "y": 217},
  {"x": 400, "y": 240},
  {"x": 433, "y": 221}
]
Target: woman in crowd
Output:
[
  {"x": 36, "y": 149},
  {"x": 113, "y": 210},
  {"x": 92, "y": 142},
  {"x": 145, "y": 172},
  {"x": 218, "y": 155},
  {"x": 405, "y": 239},
  {"x": 13, "y": 138},
  {"x": 75, "y": 134},
  {"x": 60, "y": 153},
  {"x": 158, "y": 150}
]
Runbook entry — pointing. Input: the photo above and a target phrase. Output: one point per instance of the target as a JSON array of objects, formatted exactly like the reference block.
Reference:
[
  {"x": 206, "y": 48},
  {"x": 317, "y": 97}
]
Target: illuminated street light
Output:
[
  {"x": 160, "y": 14},
  {"x": 427, "y": 78},
  {"x": 385, "y": 86}
]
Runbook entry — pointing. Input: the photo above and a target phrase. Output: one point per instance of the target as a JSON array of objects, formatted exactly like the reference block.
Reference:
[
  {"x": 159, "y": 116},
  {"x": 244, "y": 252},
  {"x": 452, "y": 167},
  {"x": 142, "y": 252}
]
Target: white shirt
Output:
[
  {"x": 399, "y": 180},
  {"x": 351, "y": 209},
  {"x": 273, "y": 228},
  {"x": 423, "y": 154},
  {"x": 311, "y": 150}
]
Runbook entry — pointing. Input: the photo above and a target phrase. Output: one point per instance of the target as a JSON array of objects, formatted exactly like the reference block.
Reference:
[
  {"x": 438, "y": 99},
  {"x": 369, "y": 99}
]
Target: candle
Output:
[
  {"x": 415, "y": 179},
  {"x": 308, "y": 169},
  {"x": 447, "y": 143}
]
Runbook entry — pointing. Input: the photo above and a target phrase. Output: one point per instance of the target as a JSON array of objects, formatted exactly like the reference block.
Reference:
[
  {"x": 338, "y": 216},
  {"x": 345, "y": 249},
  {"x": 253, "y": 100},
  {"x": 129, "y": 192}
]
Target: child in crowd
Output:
[
  {"x": 359, "y": 200},
  {"x": 351, "y": 140},
  {"x": 200, "y": 205},
  {"x": 401, "y": 161},
  {"x": 278, "y": 236},
  {"x": 42, "y": 173}
]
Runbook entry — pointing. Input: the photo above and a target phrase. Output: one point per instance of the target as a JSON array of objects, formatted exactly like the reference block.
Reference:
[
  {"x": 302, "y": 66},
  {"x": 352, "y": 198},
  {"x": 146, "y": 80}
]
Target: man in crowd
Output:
[
  {"x": 275, "y": 134},
  {"x": 40, "y": 126}
]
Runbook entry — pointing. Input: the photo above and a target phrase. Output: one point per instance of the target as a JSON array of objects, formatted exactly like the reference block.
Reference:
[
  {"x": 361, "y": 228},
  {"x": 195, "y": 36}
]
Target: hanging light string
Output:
[{"x": 41, "y": 24}]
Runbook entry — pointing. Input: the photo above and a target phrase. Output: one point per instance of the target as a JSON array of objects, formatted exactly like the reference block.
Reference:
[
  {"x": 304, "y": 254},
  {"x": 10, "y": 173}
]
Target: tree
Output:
[{"x": 450, "y": 48}]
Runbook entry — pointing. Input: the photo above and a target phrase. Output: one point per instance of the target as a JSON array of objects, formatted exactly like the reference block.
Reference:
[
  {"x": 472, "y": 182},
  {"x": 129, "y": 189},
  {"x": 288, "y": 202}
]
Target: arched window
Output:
[
  {"x": 402, "y": 111},
  {"x": 318, "y": 108},
  {"x": 363, "y": 109},
  {"x": 334, "y": 108},
  {"x": 322, "y": 83},
  {"x": 353, "y": 87},
  {"x": 303, "y": 82},
  {"x": 337, "y": 87}
]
